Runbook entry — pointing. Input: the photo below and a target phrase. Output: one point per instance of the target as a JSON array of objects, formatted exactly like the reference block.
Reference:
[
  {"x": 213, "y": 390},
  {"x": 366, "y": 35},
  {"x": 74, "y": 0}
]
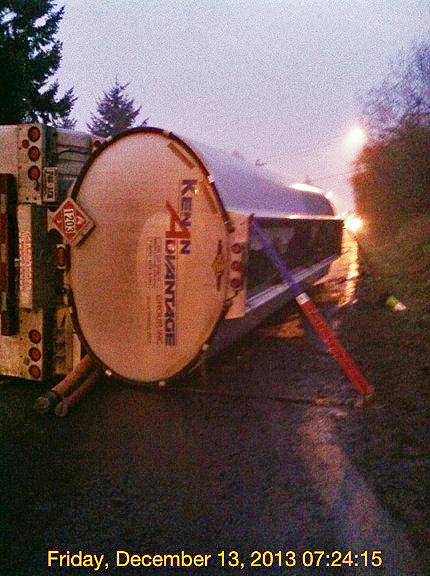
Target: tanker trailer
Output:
[{"x": 169, "y": 268}]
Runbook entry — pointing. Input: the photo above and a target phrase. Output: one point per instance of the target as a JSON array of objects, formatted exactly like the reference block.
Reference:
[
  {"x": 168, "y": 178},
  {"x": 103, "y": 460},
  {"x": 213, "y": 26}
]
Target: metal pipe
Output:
[
  {"x": 63, "y": 407},
  {"x": 48, "y": 401}
]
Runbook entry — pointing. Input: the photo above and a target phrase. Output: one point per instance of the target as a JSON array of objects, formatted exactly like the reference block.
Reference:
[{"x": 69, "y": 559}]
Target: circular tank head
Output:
[{"x": 149, "y": 282}]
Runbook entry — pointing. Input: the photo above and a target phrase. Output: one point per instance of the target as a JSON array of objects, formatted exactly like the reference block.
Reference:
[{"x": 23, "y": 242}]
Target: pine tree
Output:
[
  {"x": 115, "y": 111},
  {"x": 29, "y": 56}
]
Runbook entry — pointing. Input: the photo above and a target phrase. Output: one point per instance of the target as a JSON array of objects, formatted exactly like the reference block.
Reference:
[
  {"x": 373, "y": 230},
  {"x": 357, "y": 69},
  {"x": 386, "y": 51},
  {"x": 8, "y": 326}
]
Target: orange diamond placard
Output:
[{"x": 72, "y": 222}]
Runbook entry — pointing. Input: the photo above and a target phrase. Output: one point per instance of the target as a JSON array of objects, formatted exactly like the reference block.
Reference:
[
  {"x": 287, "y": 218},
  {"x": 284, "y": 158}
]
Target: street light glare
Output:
[
  {"x": 354, "y": 223},
  {"x": 357, "y": 136}
]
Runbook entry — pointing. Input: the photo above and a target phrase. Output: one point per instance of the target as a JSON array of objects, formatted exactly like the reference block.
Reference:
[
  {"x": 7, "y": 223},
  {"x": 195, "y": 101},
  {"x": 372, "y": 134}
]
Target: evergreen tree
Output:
[
  {"x": 116, "y": 112},
  {"x": 29, "y": 56}
]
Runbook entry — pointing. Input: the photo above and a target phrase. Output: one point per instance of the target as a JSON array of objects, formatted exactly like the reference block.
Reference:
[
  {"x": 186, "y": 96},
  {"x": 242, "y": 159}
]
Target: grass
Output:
[
  {"x": 401, "y": 266},
  {"x": 389, "y": 440}
]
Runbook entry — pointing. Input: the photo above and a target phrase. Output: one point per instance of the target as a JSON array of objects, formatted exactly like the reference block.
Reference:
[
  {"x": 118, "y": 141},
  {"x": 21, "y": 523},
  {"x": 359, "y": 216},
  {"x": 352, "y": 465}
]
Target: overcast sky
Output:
[{"x": 276, "y": 80}]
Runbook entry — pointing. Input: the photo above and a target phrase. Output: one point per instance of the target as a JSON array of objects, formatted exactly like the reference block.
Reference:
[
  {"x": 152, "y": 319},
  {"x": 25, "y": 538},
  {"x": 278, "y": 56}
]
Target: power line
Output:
[
  {"x": 334, "y": 176},
  {"x": 294, "y": 152}
]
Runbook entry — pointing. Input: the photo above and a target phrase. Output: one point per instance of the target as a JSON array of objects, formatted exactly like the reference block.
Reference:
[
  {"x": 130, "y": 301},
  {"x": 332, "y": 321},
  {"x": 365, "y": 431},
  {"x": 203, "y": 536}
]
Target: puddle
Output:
[{"x": 333, "y": 291}]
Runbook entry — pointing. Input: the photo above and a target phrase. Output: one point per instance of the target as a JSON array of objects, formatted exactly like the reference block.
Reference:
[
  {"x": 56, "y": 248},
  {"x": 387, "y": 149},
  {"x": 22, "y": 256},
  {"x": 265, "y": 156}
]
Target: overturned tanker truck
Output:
[{"x": 169, "y": 269}]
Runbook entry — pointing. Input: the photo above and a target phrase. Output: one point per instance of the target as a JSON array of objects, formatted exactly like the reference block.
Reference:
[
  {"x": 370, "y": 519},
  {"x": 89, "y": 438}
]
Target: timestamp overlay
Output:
[
  {"x": 276, "y": 561},
  {"x": 255, "y": 559}
]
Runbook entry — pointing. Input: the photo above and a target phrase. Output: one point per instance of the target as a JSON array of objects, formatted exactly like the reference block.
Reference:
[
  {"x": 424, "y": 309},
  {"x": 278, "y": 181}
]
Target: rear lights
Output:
[
  {"x": 34, "y": 173},
  {"x": 35, "y": 371},
  {"x": 33, "y": 133},
  {"x": 61, "y": 257},
  {"x": 35, "y": 336},
  {"x": 34, "y": 153},
  {"x": 236, "y": 265},
  {"x": 35, "y": 354}
]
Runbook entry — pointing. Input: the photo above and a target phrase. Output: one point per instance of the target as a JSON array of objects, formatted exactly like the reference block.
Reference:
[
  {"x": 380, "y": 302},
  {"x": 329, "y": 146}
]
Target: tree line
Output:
[
  {"x": 30, "y": 55},
  {"x": 391, "y": 177}
]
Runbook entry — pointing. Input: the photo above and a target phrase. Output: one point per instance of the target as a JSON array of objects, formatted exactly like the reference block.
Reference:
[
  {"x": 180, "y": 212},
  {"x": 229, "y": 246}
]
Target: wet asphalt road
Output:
[
  {"x": 231, "y": 464},
  {"x": 246, "y": 462},
  {"x": 159, "y": 472}
]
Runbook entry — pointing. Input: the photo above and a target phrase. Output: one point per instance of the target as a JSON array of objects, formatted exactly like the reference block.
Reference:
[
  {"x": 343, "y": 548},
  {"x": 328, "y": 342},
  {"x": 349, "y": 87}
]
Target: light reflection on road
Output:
[
  {"x": 361, "y": 523},
  {"x": 333, "y": 291},
  {"x": 339, "y": 284}
]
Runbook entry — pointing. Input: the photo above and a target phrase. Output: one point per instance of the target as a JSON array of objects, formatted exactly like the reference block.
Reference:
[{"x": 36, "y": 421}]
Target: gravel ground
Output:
[{"x": 389, "y": 440}]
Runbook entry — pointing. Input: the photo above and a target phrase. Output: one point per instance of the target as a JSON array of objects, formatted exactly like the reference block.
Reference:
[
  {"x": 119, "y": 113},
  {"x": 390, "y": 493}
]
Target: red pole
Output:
[
  {"x": 315, "y": 317},
  {"x": 334, "y": 346}
]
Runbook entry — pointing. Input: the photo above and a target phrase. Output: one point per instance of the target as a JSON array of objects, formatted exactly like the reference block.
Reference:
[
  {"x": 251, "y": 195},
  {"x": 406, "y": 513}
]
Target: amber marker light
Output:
[{"x": 60, "y": 256}]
